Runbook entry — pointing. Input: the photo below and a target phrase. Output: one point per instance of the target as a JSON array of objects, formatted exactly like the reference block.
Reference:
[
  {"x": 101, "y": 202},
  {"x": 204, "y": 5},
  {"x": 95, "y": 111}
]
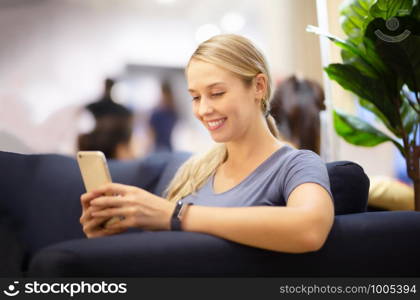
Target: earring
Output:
[
  {"x": 265, "y": 109},
  {"x": 263, "y": 105}
]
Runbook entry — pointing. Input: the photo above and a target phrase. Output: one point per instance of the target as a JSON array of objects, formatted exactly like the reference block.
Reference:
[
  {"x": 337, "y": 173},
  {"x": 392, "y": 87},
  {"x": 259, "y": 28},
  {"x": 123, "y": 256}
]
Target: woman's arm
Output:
[{"x": 302, "y": 226}]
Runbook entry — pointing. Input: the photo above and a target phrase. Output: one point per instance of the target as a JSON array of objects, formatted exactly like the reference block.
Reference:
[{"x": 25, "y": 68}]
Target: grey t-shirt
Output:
[{"x": 270, "y": 183}]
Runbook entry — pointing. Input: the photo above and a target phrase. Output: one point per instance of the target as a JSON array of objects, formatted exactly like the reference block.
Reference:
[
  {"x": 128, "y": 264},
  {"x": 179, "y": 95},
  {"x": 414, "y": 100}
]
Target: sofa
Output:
[{"x": 42, "y": 237}]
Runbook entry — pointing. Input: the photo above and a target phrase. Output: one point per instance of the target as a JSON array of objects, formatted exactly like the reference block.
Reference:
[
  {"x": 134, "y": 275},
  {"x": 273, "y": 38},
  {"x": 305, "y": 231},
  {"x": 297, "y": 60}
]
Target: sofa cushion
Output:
[
  {"x": 175, "y": 160},
  {"x": 358, "y": 245},
  {"x": 349, "y": 186},
  {"x": 41, "y": 193},
  {"x": 11, "y": 249}
]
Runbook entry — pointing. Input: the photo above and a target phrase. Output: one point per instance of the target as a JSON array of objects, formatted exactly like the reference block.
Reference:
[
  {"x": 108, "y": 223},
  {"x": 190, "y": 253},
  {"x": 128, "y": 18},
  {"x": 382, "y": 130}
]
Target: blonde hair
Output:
[{"x": 238, "y": 55}]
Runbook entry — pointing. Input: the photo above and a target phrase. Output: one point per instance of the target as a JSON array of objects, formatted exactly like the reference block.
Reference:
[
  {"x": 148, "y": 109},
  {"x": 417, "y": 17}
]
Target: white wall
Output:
[
  {"x": 54, "y": 59},
  {"x": 54, "y": 55}
]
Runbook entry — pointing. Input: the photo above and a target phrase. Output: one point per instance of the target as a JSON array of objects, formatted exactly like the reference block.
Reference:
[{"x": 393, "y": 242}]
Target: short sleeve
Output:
[{"x": 305, "y": 167}]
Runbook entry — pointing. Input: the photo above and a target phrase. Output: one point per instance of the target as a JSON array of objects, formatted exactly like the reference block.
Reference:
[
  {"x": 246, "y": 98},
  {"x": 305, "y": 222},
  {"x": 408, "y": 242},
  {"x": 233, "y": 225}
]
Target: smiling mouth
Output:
[{"x": 214, "y": 125}]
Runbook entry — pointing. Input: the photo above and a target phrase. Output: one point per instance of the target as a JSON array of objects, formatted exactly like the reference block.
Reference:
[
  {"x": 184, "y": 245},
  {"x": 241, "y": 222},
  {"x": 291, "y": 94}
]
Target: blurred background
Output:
[{"x": 56, "y": 57}]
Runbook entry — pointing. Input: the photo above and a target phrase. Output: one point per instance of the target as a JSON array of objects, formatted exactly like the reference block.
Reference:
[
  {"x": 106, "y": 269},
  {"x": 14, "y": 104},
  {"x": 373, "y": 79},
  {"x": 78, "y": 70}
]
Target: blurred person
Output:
[
  {"x": 296, "y": 106},
  {"x": 162, "y": 120},
  {"x": 106, "y": 106},
  {"x": 387, "y": 193},
  {"x": 113, "y": 136},
  {"x": 113, "y": 129},
  {"x": 251, "y": 187}
]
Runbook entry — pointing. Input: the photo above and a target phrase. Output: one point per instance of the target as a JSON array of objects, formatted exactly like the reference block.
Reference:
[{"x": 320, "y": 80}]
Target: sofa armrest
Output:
[
  {"x": 11, "y": 249},
  {"x": 365, "y": 244}
]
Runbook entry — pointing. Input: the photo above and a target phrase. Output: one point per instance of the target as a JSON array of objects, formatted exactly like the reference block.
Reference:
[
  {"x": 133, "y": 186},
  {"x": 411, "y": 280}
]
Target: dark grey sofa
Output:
[{"x": 39, "y": 225}]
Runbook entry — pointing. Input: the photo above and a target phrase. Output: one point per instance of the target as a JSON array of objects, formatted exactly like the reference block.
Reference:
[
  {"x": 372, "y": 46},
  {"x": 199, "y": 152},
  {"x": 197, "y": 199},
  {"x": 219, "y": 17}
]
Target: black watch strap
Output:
[{"x": 176, "y": 215}]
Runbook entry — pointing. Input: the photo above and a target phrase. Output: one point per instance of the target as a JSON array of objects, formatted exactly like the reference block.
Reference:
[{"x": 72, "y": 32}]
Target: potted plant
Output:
[{"x": 381, "y": 66}]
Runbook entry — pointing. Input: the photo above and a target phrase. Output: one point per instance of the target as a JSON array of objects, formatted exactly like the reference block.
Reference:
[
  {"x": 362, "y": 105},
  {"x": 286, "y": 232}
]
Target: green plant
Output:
[{"x": 381, "y": 66}]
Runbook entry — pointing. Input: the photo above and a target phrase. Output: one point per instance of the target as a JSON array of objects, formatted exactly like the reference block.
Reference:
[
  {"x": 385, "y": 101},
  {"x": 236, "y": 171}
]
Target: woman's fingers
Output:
[
  {"x": 85, "y": 199},
  {"x": 113, "y": 189},
  {"x": 86, "y": 216},
  {"x": 114, "y": 211},
  {"x": 107, "y": 201},
  {"x": 120, "y": 225},
  {"x": 138, "y": 207},
  {"x": 103, "y": 232},
  {"x": 96, "y": 228},
  {"x": 93, "y": 224}
]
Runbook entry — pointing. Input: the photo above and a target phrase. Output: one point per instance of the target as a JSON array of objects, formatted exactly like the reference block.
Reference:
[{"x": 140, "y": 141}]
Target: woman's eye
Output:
[
  {"x": 218, "y": 94},
  {"x": 195, "y": 98}
]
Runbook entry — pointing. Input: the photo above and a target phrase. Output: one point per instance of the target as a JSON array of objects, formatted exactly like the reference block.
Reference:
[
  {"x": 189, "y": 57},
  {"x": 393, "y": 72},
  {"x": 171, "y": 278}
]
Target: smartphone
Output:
[{"x": 95, "y": 173}]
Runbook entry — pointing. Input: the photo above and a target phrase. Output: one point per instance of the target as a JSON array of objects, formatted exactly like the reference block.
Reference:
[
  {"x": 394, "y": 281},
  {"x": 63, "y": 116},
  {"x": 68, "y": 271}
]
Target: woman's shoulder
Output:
[
  {"x": 289, "y": 152},
  {"x": 292, "y": 158}
]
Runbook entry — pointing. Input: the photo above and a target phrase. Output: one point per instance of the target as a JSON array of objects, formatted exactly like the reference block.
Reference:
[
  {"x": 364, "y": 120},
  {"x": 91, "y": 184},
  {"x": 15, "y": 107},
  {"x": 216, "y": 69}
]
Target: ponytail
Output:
[{"x": 271, "y": 123}]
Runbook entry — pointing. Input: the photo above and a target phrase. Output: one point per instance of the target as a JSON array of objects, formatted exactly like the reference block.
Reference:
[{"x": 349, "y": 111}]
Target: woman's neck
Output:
[{"x": 252, "y": 150}]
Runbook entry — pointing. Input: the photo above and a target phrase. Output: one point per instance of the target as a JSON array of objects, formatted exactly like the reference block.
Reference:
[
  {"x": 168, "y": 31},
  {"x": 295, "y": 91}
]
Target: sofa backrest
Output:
[
  {"x": 349, "y": 183},
  {"x": 349, "y": 186},
  {"x": 41, "y": 193}
]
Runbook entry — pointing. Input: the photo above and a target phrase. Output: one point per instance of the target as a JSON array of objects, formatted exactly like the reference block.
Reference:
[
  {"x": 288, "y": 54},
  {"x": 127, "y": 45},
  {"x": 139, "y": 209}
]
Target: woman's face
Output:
[{"x": 222, "y": 101}]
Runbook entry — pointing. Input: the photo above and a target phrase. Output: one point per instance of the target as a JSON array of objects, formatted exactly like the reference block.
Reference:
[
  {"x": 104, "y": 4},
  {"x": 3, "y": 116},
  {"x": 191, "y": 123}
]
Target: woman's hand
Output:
[
  {"x": 93, "y": 227},
  {"x": 138, "y": 207}
]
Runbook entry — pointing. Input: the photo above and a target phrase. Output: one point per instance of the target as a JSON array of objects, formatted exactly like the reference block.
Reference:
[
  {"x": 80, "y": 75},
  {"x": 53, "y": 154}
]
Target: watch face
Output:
[{"x": 180, "y": 209}]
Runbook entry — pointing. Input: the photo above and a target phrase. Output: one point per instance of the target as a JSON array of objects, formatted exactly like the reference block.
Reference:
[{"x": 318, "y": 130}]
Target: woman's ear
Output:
[{"x": 260, "y": 86}]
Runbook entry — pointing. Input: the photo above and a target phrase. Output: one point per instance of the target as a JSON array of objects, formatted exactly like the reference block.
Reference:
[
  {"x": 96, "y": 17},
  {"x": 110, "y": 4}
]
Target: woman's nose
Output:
[{"x": 205, "y": 107}]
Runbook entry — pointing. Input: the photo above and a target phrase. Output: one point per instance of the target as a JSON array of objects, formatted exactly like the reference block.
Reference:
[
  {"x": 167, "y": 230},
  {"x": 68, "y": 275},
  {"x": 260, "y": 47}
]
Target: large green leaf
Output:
[
  {"x": 358, "y": 132},
  {"x": 372, "y": 108},
  {"x": 373, "y": 90},
  {"x": 354, "y": 18},
  {"x": 366, "y": 60},
  {"x": 369, "y": 51},
  {"x": 367, "y": 63},
  {"x": 386, "y": 9},
  {"x": 399, "y": 49},
  {"x": 408, "y": 115},
  {"x": 416, "y": 12},
  {"x": 358, "y": 57},
  {"x": 363, "y": 56}
]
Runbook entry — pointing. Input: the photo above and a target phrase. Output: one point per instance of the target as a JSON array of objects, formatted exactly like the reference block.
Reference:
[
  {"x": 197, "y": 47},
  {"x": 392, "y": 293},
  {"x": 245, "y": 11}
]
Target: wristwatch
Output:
[{"x": 177, "y": 214}]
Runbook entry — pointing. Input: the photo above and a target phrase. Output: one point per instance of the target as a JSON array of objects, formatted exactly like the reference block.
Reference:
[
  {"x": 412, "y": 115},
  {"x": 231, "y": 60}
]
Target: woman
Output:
[{"x": 251, "y": 188}]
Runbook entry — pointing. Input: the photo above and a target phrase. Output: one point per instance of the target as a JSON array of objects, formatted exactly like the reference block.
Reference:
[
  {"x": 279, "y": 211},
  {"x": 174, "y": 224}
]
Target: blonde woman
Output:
[{"x": 251, "y": 188}]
